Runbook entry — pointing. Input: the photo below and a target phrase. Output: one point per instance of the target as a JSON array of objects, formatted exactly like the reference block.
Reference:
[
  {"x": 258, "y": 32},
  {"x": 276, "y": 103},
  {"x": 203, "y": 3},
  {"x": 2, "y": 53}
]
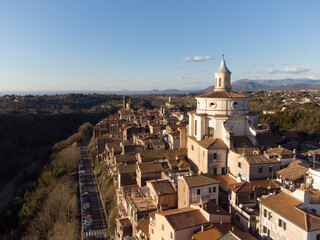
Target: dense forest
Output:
[
  {"x": 303, "y": 119},
  {"x": 25, "y": 139},
  {"x": 48, "y": 209}
]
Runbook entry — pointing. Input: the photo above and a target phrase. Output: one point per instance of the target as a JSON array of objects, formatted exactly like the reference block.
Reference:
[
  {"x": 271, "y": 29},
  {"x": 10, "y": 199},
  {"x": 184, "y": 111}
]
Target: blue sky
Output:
[{"x": 145, "y": 44}]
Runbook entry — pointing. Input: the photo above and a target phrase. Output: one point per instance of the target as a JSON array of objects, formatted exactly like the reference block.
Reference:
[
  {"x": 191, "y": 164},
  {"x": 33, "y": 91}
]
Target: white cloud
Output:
[
  {"x": 315, "y": 76},
  {"x": 300, "y": 49},
  {"x": 197, "y": 59},
  {"x": 287, "y": 70},
  {"x": 247, "y": 71}
]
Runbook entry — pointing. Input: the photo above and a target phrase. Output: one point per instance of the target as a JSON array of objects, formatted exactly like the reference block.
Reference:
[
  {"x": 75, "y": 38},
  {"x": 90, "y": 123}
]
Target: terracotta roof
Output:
[
  {"x": 242, "y": 141},
  {"x": 144, "y": 226},
  {"x": 156, "y": 154},
  {"x": 131, "y": 168},
  {"x": 278, "y": 151},
  {"x": 183, "y": 218},
  {"x": 225, "y": 181},
  {"x": 293, "y": 172},
  {"x": 226, "y": 228},
  {"x": 223, "y": 94},
  {"x": 119, "y": 158},
  {"x": 254, "y": 186},
  {"x": 210, "y": 143},
  {"x": 211, "y": 208},
  {"x": 124, "y": 221},
  {"x": 260, "y": 159},
  {"x": 286, "y": 206},
  {"x": 150, "y": 167},
  {"x": 162, "y": 187},
  {"x": 209, "y": 233},
  {"x": 200, "y": 180}
]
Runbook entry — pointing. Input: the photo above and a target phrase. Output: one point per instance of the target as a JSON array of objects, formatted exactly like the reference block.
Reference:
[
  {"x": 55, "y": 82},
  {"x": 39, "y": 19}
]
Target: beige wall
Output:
[
  {"x": 186, "y": 195},
  {"x": 292, "y": 232},
  {"x": 168, "y": 199},
  {"x": 200, "y": 157},
  {"x": 158, "y": 233},
  {"x": 183, "y": 194}
]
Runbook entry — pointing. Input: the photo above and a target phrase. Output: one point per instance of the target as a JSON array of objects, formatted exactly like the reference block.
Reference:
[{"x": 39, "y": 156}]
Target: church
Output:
[{"x": 222, "y": 121}]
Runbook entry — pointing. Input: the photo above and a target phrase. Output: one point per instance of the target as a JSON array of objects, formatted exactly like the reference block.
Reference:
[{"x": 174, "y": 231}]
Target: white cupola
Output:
[{"x": 222, "y": 77}]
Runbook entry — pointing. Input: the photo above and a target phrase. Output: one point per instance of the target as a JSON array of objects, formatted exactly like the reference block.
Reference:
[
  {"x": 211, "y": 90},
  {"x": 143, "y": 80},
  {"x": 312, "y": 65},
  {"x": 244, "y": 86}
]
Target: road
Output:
[{"x": 99, "y": 224}]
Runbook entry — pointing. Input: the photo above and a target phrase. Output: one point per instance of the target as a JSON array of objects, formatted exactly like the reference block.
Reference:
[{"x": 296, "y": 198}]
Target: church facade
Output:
[{"x": 221, "y": 118}]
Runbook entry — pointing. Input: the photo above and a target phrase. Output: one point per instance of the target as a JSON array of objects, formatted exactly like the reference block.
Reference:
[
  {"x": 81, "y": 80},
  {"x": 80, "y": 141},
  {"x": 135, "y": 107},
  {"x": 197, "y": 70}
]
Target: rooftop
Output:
[
  {"x": 211, "y": 208},
  {"x": 225, "y": 181},
  {"x": 141, "y": 200},
  {"x": 183, "y": 218},
  {"x": 293, "y": 172},
  {"x": 200, "y": 180},
  {"x": 124, "y": 221},
  {"x": 123, "y": 169},
  {"x": 152, "y": 154},
  {"x": 254, "y": 186},
  {"x": 278, "y": 151},
  {"x": 209, "y": 233},
  {"x": 162, "y": 187},
  {"x": 150, "y": 167},
  {"x": 226, "y": 228},
  {"x": 143, "y": 226},
  {"x": 222, "y": 94},
  {"x": 287, "y": 207},
  {"x": 260, "y": 159},
  {"x": 210, "y": 143}
]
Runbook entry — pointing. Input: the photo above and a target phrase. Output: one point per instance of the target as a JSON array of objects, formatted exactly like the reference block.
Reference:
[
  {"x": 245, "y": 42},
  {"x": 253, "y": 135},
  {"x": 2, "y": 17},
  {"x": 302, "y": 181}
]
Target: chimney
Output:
[
  {"x": 220, "y": 222},
  {"x": 279, "y": 146},
  {"x": 202, "y": 228},
  {"x": 232, "y": 229}
]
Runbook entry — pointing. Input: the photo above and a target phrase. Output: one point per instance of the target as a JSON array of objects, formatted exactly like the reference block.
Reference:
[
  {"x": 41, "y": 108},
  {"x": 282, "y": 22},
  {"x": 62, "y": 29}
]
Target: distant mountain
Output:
[
  {"x": 208, "y": 89},
  {"x": 279, "y": 82},
  {"x": 246, "y": 85}
]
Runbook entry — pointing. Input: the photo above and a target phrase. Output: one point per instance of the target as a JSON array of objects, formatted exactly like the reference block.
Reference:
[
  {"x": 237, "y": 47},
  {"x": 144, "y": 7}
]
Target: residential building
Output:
[
  {"x": 176, "y": 224},
  {"x": 197, "y": 188},
  {"x": 163, "y": 193},
  {"x": 286, "y": 216},
  {"x": 148, "y": 171},
  {"x": 293, "y": 176}
]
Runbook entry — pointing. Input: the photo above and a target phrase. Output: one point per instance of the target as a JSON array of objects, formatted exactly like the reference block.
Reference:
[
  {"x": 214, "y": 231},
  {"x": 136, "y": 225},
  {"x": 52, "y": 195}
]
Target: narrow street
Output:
[{"x": 98, "y": 219}]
